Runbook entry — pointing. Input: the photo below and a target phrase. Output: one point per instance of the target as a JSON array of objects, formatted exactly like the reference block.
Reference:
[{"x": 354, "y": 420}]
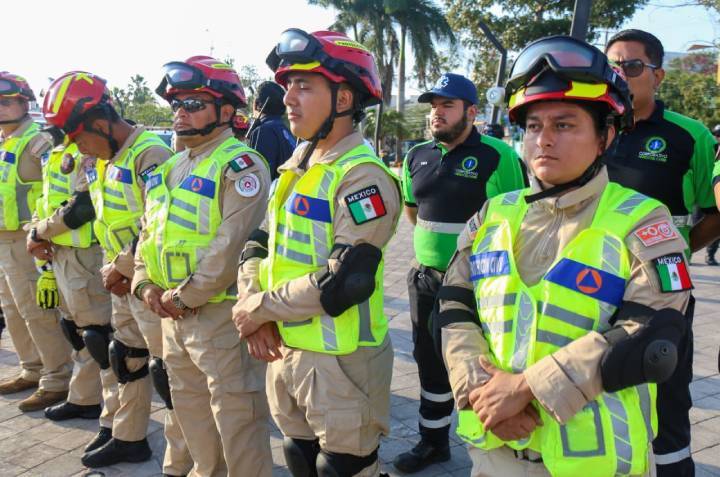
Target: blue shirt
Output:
[{"x": 271, "y": 138}]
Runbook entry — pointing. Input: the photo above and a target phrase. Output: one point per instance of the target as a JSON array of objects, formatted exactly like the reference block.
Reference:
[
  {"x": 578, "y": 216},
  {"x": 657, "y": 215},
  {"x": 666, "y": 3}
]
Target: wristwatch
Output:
[
  {"x": 33, "y": 235},
  {"x": 178, "y": 302}
]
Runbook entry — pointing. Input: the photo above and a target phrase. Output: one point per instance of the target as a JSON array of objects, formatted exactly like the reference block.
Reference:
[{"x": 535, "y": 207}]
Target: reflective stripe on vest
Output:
[
  {"x": 300, "y": 223},
  {"x": 117, "y": 196},
  {"x": 580, "y": 292},
  {"x": 17, "y": 197},
  {"x": 182, "y": 221},
  {"x": 57, "y": 188}
]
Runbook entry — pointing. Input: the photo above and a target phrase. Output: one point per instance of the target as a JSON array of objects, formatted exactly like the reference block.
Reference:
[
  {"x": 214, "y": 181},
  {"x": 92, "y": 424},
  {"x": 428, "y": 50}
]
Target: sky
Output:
[{"x": 48, "y": 37}]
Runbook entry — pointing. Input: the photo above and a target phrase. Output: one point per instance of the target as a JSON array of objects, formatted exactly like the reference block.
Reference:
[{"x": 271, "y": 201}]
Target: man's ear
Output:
[
  {"x": 345, "y": 99},
  {"x": 609, "y": 136},
  {"x": 659, "y": 77},
  {"x": 100, "y": 125},
  {"x": 227, "y": 111}
]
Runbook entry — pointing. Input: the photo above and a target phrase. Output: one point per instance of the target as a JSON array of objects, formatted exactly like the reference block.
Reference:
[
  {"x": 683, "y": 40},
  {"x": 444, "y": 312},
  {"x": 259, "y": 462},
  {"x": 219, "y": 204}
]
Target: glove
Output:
[{"x": 47, "y": 292}]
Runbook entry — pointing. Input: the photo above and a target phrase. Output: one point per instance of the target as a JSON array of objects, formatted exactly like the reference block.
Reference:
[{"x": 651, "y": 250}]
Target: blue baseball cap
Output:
[{"x": 453, "y": 86}]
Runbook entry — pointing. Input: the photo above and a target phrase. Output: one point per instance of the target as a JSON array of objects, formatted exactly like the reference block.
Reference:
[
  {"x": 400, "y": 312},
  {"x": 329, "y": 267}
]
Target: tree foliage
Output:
[
  {"x": 137, "y": 103},
  {"x": 690, "y": 88}
]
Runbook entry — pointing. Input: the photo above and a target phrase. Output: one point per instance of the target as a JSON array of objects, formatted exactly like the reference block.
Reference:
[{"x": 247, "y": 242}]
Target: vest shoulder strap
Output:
[
  {"x": 620, "y": 208},
  {"x": 509, "y": 206}
]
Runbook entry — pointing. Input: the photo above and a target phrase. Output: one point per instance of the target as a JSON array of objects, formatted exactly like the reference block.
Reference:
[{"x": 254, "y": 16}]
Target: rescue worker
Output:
[
  {"x": 565, "y": 299},
  {"x": 43, "y": 353},
  {"x": 444, "y": 182},
  {"x": 319, "y": 288},
  {"x": 201, "y": 206},
  {"x": 240, "y": 126},
  {"x": 268, "y": 134},
  {"x": 79, "y": 104},
  {"x": 669, "y": 157},
  {"x": 62, "y": 232}
]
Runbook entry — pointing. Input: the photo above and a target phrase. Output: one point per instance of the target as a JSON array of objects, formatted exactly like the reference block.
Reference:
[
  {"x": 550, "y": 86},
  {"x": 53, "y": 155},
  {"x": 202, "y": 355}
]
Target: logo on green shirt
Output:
[
  {"x": 654, "y": 149},
  {"x": 467, "y": 168}
]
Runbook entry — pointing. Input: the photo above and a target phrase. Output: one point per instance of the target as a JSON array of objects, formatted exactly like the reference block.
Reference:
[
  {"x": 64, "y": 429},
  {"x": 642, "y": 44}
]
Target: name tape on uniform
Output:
[
  {"x": 656, "y": 233},
  {"x": 366, "y": 205}
]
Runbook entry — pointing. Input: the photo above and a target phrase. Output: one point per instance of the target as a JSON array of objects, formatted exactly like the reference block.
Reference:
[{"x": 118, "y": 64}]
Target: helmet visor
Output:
[
  {"x": 8, "y": 88},
  {"x": 295, "y": 46}
]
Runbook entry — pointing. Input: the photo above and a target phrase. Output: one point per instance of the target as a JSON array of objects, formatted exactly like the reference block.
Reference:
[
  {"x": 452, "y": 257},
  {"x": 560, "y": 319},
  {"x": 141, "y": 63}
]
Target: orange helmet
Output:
[
  {"x": 331, "y": 54},
  {"x": 14, "y": 85},
  {"x": 70, "y": 97},
  {"x": 202, "y": 74}
]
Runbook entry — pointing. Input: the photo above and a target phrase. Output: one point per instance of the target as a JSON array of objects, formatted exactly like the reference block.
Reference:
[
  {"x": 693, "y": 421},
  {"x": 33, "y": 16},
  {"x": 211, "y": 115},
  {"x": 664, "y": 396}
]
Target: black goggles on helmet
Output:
[
  {"x": 568, "y": 57},
  {"x": 182, "y": 76},
  {"x": 9, "y": 88},
  {"x": 298, "y": 46}
]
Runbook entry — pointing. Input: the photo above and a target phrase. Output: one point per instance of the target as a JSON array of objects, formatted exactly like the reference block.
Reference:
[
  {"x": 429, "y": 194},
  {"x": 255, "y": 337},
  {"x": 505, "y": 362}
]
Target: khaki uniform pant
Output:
[
  {"x": 344, "y": 401},
  {"x": 42, "y": 349},
  {"x": 85, "y": 301},
  {"x": 217, "y": 392},
  {"x": 177, "y": 460},
  {"x": 502, "y": 462}
]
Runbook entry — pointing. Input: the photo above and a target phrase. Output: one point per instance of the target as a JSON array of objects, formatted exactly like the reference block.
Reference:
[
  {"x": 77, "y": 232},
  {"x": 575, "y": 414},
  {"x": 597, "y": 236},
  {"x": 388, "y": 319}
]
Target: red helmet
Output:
[
  {"x": 70, "y": 97},
  {"x": 202, "y": 74},
  {"x": 240, "y": 122},
  {"x": 14, "y": 85},
  {"x": 331, "y": 54}
]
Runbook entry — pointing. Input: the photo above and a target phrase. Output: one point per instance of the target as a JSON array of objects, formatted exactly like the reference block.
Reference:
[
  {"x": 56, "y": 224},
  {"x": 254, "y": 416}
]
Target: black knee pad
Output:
[
  {"x": 300, "y": 455},
  {"x": 118, "y": 352},
  {"x": 330, "y": 464},
  {"x": 70, "y": 330},
  {"x": 97, "y": 339},
  {"x": 159, "y": 378}
]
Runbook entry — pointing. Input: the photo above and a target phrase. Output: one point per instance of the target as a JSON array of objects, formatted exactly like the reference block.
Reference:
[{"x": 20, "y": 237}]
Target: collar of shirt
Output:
[
  {"x": 137, "y": 130},
  {"x": 347, "y": 143},
  {"x": 473, "y": 140},
  {"x": 205, "y": 148},
  {"x": 657, "y": 114},
  {"x": 576, "y": 199},
  {"x": 24, "y": 125}
]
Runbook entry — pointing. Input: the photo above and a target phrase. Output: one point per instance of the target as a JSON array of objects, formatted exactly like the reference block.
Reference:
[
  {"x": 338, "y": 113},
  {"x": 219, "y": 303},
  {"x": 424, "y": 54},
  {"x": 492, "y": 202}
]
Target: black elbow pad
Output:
[
  {"x": 79, "y": 211},
  {"x": 354, "y": 281},
  {"x": 647, "y": 356},
  {"x": 260, "y": 237}
]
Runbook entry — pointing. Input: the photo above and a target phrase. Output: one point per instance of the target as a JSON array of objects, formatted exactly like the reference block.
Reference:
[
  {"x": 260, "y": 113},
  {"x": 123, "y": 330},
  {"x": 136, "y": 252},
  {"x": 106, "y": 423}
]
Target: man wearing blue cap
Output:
[{"x": 445, "y": 181}]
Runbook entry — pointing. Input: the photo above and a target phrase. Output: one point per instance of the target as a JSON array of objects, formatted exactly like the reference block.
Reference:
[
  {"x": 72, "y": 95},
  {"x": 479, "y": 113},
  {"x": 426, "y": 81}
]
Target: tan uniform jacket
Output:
[
  {"x": 300, "y": 298},
  {"x": 569, "y": 378},
  {"x": 29, "y": 165},
  {"x": 217, "y": 270}
]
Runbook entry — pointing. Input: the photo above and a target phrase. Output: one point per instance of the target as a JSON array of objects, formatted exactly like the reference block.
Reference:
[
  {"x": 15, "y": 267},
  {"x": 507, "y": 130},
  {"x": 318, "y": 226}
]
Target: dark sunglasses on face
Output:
[
  {"x": 634, "y": 68},
  {"x": 7, "y": 102},
  {"x": 189, "y": 105}
]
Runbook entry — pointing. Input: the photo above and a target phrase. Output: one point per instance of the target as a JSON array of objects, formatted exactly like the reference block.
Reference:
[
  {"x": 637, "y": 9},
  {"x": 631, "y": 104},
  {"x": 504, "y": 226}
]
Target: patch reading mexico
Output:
[
  {"x": 673, "y": 273},
  {"x": 309, "y": 207},
  {"x": 248, "y": 185},
  {"x": 120, "y": 174},
  {"x": 241, "y": 163},
  {"x": 489, "y": 264},
  {"x": 656, "y": 233},
  {"x": 365, "y": 205},
  {"x": 588, "y": 280},
  {"x": 199, "y": 185}
]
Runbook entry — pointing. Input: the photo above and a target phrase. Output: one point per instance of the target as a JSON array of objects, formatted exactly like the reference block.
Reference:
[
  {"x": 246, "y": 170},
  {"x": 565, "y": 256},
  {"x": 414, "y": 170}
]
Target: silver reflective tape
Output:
[
  {"x": 441, "y": 227},
  {"x": 324, "y": 188},
  {"x": 58, "y": 176},
  {"x": 60, "y": 189},
  {"x": 113, "y": 192},
  {"x": 645, "y": 408},
  {"x": 204, "y": 216},
  {"x": 293, "y": 255},
  {"x": 212, "y": 171},
  {"x": 611, "y": 254},
  {"x": 566, "y": 316},
  {"x": 130, "y": 198},
  {"x": 606, "y": 312},
  {"x": 511, "y": 198},
  {"x": 495, "y": 301},
  {"x": 293, "y": 234},
  {"x": 435, "y": 397},
  {"x": 673, "y": 457},
  {"x": 599, "y": 436},
  {"x": 435, "y": 423},
  {"x": 621, "y": 433},
  {"x": 352, "y": 158},
  {"x": 113, "y": 205},
  {"x": 523, "y": 325},
  {"x": 485, "y": 242},
  {"x": 327, "y": 324},
  {"x": 627, "y": 207},
  {"x": 322, "y": 252},
  {"x": 75, "y": 235},
  {"x": 181, "y": 204},
  {"x": 2, "y": 212},
  {"x": 544, "y": 336},
  {"x": 293, "y": 324},
  {"x": 21, "y": 197},
  {"x": 176, "y": 219},
  {"x": 365, "y": 328},
  {"x": 496, "y": 327}
]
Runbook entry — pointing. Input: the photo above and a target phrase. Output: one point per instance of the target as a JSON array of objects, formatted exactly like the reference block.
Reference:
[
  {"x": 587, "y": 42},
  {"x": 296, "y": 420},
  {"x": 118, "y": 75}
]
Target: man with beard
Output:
[{"x": 445, "y": 180}]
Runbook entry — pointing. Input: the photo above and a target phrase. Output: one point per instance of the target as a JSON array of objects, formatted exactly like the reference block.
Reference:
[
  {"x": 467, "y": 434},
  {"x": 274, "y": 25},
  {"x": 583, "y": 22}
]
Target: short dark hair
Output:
[
  {"x": 104, "y": 111},
  {"x": 271, "y": 95},
  {"x": 653, "y": 47}
]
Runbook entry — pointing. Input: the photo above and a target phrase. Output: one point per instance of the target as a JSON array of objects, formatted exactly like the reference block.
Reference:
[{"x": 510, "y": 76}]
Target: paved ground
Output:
[{"x": 33, "y": 446}]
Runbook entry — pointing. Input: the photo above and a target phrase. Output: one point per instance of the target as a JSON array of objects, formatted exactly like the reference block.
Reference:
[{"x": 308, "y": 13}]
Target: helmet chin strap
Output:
[
  {"x": 16, "y": 120},
  {"x": 326, "y": 126},
  {"x": 580, "y": 181},
  {"x": 208, "y": 128}
]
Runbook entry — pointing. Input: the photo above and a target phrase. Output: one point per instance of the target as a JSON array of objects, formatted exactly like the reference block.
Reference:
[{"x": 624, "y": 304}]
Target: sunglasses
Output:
[
  {"x": 634, "y": 68},
  {"x": 189, "y": 105},
  {"x": 7, "y": 102}
]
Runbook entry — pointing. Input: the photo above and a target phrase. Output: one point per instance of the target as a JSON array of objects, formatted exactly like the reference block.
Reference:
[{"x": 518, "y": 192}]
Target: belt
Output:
[{"x": 528, "y": 455}]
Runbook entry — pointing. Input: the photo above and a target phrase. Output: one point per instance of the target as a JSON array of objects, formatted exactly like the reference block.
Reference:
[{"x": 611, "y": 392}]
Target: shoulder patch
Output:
[
  {"x": 44, "y": 158},
  {"x": 365, "y": 205},
  {"x": 248, "y": 185},
  {"x": 655, "y": 233},
  {"x": 673, "y": 273},
  {"x": 144, "y": 174},
  {"x": 68, "y": 164},
  {"x": 241, "y": 163}
]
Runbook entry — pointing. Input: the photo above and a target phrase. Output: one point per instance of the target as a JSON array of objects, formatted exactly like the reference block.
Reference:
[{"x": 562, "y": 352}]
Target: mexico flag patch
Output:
[
  {"x": 673, "y": 273},
  {"x": 365, "y": 205},
  {"x": 241, "y": 163}
]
